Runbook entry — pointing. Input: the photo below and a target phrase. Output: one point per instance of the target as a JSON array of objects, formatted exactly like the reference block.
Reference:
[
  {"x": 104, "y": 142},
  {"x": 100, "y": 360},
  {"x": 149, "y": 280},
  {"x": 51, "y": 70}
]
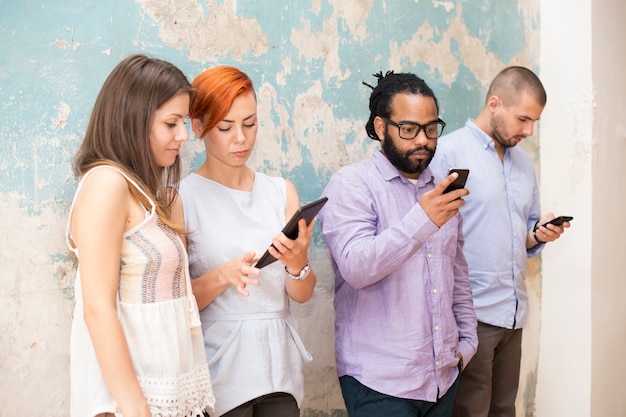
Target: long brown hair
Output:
[{"x": 118, "y": 132}]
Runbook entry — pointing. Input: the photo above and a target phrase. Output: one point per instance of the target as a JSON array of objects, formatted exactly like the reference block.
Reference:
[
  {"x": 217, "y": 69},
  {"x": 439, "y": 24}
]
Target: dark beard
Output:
[{"x": 401, "y": 160}]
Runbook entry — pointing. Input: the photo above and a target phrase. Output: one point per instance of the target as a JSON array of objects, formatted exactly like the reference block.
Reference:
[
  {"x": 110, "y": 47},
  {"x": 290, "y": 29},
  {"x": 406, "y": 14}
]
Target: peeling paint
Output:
[
  {"x": 422, "y": 49},
  {"x": 320, "y": 45},
  {"x": 210, "y": 36},
  {"x": 60, "y": 44},
  {"x": 447, "y": 5},
  {"x": 354, "y": 13},
  {"x": 61, "y": 120},
  {"x": 281, "y": 76},
  {"x": 308, "y": 63}
]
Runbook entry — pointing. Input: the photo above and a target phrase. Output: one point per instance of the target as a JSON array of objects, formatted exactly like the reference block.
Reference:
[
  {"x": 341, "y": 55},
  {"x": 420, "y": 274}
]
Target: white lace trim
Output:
[{"x": 187, "y": 396}]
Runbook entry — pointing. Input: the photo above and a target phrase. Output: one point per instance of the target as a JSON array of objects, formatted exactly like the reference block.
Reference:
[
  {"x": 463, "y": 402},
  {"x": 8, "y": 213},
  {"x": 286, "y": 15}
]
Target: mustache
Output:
[{"x": 420, "y": 149}]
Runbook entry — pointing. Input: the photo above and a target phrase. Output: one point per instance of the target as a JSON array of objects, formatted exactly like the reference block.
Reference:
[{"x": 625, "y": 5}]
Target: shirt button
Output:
[
  {"x": 430, "y": 255},
  {"x": 437, "y": 363},
  {"x": 437, "y": 327},
  {"x": 434, "y": 290}
]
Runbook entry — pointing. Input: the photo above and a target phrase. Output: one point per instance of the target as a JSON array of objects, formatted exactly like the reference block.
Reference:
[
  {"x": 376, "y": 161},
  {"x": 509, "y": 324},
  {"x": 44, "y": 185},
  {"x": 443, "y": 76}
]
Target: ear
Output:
[
  {"x": 379, "y": 127},
  {"x": 197, "y": 127},
  {"x": 493, "y": 103}
]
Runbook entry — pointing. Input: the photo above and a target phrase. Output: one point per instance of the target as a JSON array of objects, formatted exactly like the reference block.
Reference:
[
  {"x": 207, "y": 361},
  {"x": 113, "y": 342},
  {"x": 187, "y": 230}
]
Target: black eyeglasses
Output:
[{"x": 409, "y": 130}]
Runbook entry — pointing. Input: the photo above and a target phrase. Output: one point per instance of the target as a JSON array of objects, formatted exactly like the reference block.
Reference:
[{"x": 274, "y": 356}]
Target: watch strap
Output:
[{"x": 304, "y": 273}]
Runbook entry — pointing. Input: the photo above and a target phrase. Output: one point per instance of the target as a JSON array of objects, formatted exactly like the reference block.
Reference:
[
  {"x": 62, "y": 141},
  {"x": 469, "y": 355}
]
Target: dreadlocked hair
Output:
[{"x": 389, "y": 85}]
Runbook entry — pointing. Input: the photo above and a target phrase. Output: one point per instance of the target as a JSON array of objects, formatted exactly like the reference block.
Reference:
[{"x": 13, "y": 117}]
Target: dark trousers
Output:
[
  {"x": 278, "y": 404},
  {"x": 489, "y": 382},
  {"x": 362, "y": 401}
]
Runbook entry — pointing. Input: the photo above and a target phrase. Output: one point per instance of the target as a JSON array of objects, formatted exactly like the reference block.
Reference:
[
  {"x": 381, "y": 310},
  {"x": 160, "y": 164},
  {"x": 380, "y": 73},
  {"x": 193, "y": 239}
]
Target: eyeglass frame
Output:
[{"x": 420, "y": 127}]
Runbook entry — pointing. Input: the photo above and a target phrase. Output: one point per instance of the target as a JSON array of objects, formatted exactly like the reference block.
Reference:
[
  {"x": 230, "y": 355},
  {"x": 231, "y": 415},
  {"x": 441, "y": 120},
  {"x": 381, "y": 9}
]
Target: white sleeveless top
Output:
[
  {"x": 251, "y": 342},
  {"x": 159, "y": 315}
]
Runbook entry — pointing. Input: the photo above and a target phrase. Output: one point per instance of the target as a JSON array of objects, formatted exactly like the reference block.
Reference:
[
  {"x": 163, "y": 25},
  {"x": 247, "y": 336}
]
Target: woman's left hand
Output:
[{"x": 294, "y": 254}]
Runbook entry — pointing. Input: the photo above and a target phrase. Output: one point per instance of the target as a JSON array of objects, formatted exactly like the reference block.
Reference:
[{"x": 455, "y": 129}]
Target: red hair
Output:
[{"x": 215, "y": 91}]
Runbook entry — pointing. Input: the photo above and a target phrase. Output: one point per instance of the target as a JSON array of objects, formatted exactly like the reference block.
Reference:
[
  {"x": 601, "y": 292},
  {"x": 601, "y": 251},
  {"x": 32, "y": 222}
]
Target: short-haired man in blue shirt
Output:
[
  {"x": 502, "y": 227},
  {"x": 405, "y": 322}
]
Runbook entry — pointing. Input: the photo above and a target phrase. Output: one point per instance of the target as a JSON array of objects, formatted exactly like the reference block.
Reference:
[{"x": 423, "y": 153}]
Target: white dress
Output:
[
  {"x": 159, "y": 316},
  {"x": 251, "y": 342}
]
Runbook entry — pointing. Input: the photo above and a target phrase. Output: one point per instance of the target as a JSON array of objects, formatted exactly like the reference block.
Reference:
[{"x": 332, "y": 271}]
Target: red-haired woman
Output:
[{"x": 232, "y": 213}]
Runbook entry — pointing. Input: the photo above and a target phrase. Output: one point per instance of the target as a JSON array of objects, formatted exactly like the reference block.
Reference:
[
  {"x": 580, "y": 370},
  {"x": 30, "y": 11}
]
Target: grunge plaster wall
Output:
[{"x": 307, "y": 59}]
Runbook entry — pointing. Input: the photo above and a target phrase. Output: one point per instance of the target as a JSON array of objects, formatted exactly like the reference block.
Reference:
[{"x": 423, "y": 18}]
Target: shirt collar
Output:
[
  {"x": 389, "y": 172},
  {"x": 483, "y": 138}
]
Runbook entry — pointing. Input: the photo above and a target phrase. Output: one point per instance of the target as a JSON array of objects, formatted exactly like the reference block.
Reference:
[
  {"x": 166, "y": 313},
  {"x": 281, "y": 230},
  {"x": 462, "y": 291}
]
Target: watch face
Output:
[{"x": 302, "y": 275}]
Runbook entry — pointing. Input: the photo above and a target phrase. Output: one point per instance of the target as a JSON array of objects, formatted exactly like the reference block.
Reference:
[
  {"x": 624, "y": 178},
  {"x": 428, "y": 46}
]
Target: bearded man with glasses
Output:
[{"x": 405, "y": 323}]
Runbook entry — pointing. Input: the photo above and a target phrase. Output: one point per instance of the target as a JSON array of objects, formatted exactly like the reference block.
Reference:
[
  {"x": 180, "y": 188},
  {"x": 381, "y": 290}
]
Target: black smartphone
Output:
[
  {"x": 460, "y": 181},
  {"x": 307, "y": 212},
  {"x": 557, "y": 221}
]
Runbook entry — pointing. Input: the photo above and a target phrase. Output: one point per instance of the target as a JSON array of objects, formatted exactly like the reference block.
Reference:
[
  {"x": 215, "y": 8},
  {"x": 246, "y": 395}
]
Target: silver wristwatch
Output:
[{"x": 302, "y": 275}]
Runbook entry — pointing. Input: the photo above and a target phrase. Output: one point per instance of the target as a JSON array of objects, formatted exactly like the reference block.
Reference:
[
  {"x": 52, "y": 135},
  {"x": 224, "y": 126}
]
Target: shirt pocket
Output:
[{"x": 218, "y": 338}]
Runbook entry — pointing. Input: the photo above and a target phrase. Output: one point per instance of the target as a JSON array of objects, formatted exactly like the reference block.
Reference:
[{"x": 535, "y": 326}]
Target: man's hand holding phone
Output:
[
  {"x": 550, "y": 228},
  {"x": 443, "y": 202},
  {"x": 558, "y": 221},
  {"x": 459, "y": 181}
]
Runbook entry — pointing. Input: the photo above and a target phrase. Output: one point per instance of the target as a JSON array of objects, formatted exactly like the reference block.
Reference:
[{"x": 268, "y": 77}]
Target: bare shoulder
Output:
[
  {"x": 293, "y": 200},
  {"x": 104, "y": 185},
  {"x": 104, "y": 207},
  {"x": 290, "y": 189}
]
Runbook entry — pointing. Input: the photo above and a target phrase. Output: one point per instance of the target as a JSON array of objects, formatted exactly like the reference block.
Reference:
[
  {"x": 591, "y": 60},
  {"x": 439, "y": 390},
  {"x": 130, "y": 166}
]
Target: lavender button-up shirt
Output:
[{"x": 402, "y": 297}]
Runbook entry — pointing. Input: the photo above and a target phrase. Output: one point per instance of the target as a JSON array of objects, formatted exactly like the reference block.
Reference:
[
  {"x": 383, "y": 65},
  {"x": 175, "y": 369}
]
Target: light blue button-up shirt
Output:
[
  {"x": 402, "y": 297},
  {"x": 502, "y": 206}
]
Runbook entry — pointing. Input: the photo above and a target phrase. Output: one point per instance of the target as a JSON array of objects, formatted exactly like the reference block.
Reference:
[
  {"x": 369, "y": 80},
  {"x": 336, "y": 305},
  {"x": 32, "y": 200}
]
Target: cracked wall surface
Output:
[{"x": 308, "y": 61}]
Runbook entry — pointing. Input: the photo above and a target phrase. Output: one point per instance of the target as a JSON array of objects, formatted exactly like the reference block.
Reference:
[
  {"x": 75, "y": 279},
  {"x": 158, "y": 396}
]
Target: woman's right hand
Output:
[{"x": 238, "y": 272}]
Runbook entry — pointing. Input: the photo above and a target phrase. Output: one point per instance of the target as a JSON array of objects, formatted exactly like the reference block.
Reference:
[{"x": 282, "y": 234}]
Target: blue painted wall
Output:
[{"x": 308, "y": 61}]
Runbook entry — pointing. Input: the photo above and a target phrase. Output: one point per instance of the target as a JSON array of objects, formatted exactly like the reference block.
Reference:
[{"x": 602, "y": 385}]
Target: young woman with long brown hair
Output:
[{"x": 136, "y": 344}]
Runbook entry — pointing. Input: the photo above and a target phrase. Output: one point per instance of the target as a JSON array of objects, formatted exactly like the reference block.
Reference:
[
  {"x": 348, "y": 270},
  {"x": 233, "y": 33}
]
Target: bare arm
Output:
[
  {"x": 104, "y": 209},
  {"x": 294, "y": 254}
]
